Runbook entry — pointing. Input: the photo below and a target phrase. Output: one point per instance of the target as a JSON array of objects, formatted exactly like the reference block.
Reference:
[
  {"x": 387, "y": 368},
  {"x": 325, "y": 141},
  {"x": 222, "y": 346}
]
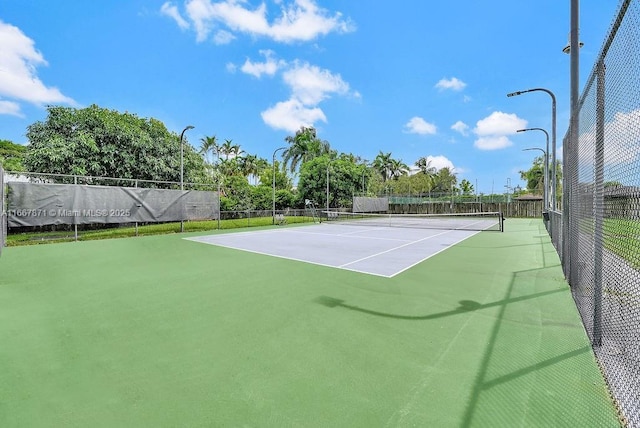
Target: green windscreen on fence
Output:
[
  {"x": 365, "y": 204},
  {"x": 34, "y": 204}
]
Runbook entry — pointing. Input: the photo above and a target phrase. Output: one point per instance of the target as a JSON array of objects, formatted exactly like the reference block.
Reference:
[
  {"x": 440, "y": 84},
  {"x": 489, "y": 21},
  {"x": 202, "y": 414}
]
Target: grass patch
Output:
[{"x": 35, "y": 238}]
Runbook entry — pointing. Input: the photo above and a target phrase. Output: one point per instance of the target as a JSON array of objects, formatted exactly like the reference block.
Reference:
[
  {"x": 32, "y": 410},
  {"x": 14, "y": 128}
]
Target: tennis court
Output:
[
  {"x": 376, "y": 250},
  {"x": 164, "y": 331}
]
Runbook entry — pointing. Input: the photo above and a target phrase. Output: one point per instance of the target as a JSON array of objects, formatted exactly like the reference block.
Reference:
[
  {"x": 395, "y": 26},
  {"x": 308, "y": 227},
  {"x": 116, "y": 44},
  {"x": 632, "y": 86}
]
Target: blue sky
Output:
[{"x": 413, "y": 77}]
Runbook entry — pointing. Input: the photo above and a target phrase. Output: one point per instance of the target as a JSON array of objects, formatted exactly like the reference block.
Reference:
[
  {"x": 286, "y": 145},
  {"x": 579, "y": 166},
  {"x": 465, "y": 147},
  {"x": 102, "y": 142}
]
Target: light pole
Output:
[
  {"x": 182, "y": 171},
  {"x": 545, "y": 196},
  {"x": 553, "y": 138},
  {"x": 182, "y": 156},
  {"x": 546, "y": 165},
  {"x": 363, "y": 173},
  {"x": 274, "y": 182}
]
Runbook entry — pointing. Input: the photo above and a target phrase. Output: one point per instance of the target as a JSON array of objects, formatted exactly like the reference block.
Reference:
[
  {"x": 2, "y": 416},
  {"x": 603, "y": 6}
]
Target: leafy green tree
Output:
[
  {"x": 262, "y": 198},
  {"x": 283, "y": 182},
  {"x": 402, "y": 185},
  {"x": 263, "y": 192},
  {"x": 612, "y": 184},
  {"x": 229, "y": 167},
  {"x": 376, "y": 186},
  {"x": 466, "y": 187},
  {"x": 12, "y": 155},
  {"x": 534, "y": 176},
  {"x": 421, "y": 183},
  {"x": 344, "y": 181},
  {"x": 236, "y": 194},
  {"x": 445, "y": 181},
  {"x": 105, "y": 143}
]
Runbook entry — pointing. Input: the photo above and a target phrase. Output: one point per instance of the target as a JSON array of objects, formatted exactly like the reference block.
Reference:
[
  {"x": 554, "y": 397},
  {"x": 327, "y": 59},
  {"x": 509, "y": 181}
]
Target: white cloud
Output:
[
  {"x": 170, "y": 10},
  {"x": 461, "y": 128},
  {"x": 290, "y": 115},
  {"x": 418, "y": 125},
  {"x": 305, "y": 21},
  {"x": 10, "y": 108},
  {"x": 311, "y": 84},
  {"x": 200, "y": 12},
  {"x": 493, "y": 130},
  {"x": 299, "y": 20},
  {"x": 269, "y": 67},
  {"x": 439, "y": 162},
  {"x": 18, "y": 78},
  {"x": 499, "y": 123},
  {"x": 223, "y": 37},
  {"x": 454, "y": 84},
  {"x": 492, "y": 142}
]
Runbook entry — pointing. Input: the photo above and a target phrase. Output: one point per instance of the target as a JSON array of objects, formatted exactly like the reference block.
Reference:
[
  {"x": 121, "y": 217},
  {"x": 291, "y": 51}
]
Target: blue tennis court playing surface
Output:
[{"x": 382, "y": 251}]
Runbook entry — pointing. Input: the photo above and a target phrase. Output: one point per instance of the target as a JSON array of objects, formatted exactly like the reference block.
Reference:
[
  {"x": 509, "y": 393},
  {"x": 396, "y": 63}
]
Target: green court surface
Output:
[{"x": 164, "y": 332}]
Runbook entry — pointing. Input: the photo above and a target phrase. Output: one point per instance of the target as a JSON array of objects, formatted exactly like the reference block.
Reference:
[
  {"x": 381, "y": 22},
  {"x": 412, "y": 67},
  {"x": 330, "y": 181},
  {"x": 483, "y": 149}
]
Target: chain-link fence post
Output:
[{"x": 598, "y": 206}]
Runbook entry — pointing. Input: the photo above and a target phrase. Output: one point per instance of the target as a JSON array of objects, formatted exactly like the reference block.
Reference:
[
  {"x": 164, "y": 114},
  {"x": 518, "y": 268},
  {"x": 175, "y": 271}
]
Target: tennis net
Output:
[{"x": 459, "y": 221}]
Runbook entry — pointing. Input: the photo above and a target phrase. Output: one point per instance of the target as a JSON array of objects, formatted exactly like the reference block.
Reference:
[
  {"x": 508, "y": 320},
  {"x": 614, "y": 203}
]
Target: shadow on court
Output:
[
  {"x": 464, "y": 306},
  {"x": 532, "y": 366}
]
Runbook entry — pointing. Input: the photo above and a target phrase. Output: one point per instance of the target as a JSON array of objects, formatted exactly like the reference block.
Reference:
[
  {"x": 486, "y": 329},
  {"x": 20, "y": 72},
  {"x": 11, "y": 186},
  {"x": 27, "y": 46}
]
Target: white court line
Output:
[
  {"x": 395, "y": 248},
  {"x": 262, "y": 253},
  {"x": 346, "y": 265},
  {"x": 348, "y": 234},
  {"x": 433, "y": 254}
]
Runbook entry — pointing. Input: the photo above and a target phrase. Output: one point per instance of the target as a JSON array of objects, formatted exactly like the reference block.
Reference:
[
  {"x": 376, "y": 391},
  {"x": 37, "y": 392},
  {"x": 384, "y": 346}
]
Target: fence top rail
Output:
[{"x": 45, "y": 175}]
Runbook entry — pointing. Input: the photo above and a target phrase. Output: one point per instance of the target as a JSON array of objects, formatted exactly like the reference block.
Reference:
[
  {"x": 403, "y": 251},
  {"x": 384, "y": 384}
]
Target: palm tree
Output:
[
  {"x": 425, "y": 166},
  {"x": 398, "y": 169},
  {"x": 428, "y": 170},
  {"x": 304, "y": 146},
  {"x": 251, "y": 165},
  {"x": 228, "y": 149},
  {"x": 382, "y": 163},
  {"x": 236, "y": 151},
  {"x": 209, "y": 145}
]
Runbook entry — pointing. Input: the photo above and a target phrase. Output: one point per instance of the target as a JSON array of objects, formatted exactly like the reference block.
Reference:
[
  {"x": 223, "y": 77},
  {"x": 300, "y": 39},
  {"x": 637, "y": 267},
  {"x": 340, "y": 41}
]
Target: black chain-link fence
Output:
[
  {"x": 3, "y": 214},
  {"x": 598, "y": 235}
]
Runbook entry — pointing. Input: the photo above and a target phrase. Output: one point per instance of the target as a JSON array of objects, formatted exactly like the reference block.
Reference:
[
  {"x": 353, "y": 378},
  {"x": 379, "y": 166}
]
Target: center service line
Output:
[{"x": 395, "y": 248}]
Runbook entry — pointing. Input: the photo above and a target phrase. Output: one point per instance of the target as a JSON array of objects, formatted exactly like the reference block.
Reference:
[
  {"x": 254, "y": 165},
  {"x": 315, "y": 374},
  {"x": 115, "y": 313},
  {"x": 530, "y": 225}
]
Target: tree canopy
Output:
[
  {"x": 98, "y": 142},
  {"x": 345, "y": 179},
  {"x": 12, "y": 155},
  {"x": 303, "y": 147},
  {"x": 534, "y": 176}
]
